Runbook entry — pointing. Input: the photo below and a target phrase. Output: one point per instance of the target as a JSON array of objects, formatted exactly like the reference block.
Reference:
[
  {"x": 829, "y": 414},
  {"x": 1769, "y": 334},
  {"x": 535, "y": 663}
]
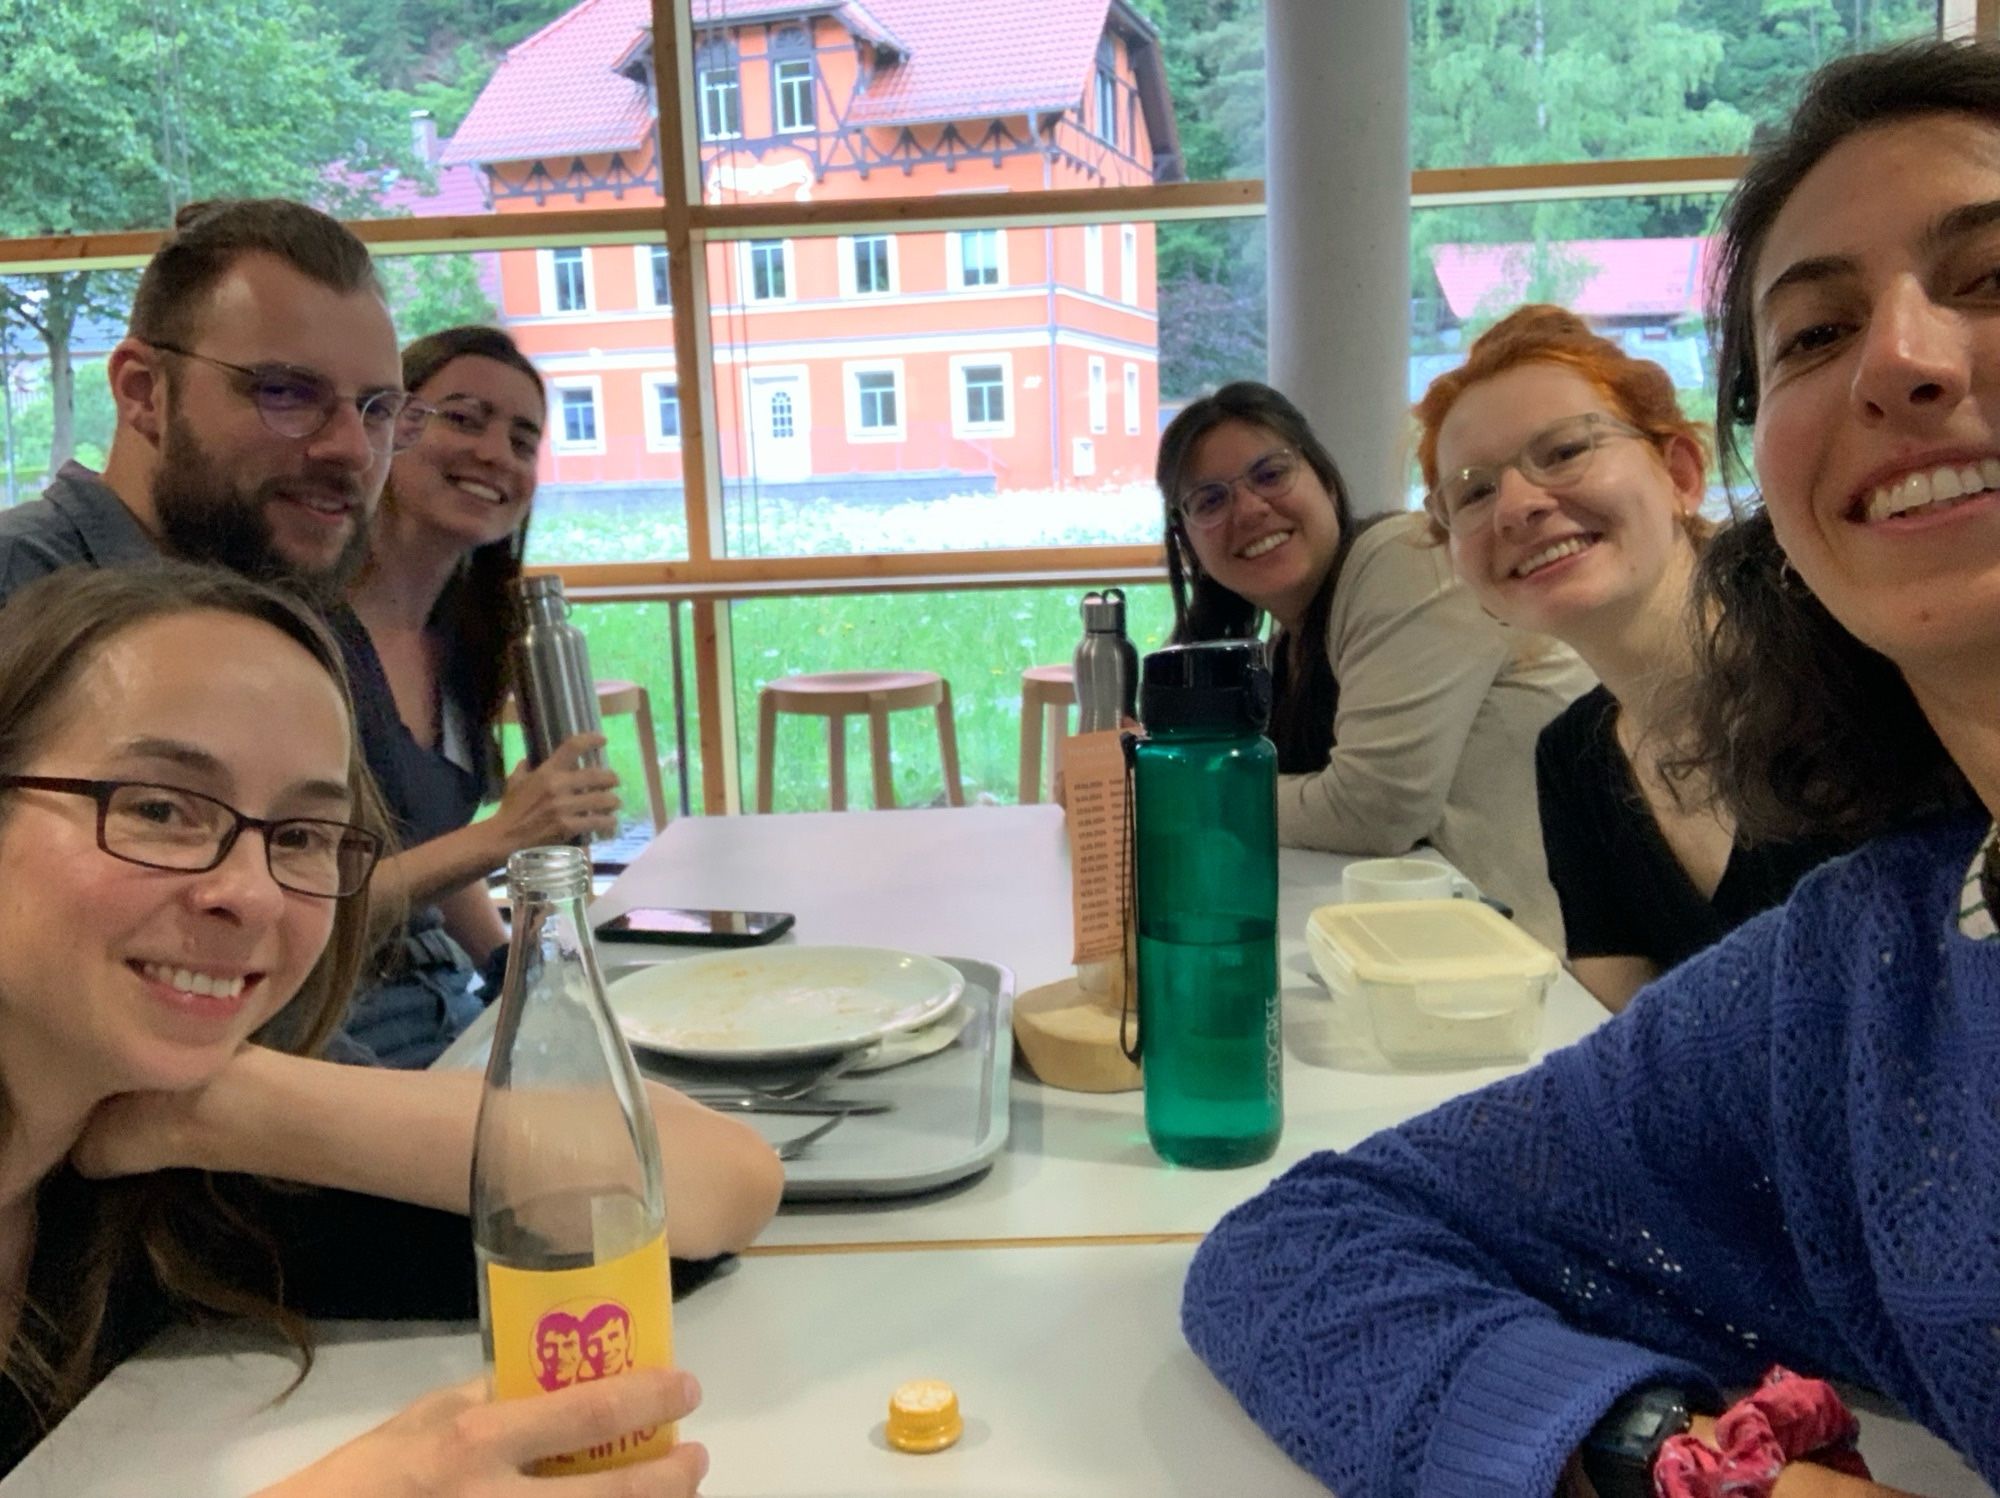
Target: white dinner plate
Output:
[{"x": 781, "y": 1003}]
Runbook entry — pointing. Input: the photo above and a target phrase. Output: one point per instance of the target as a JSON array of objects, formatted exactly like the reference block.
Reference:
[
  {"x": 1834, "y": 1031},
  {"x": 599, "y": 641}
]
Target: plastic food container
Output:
[{"x": 1439, "y": 983}]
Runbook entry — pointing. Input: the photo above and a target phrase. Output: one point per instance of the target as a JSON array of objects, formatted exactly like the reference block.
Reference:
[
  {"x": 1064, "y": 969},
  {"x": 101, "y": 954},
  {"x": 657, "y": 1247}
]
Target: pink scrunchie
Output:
[{"x": 1785, "y": 1419}]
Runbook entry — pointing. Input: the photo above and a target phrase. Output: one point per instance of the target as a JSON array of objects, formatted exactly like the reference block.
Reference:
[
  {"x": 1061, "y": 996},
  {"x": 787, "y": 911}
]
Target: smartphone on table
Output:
[{"x": 696, "y": 928}]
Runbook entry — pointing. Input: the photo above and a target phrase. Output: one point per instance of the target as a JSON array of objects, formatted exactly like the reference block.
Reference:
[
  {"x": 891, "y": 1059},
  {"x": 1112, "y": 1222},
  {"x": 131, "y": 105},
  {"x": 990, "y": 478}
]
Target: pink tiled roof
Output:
[
  {"x": 558, "y": 93},
  {"x": 962, "y": 61},
  {"x": 1614, "y": 277}
]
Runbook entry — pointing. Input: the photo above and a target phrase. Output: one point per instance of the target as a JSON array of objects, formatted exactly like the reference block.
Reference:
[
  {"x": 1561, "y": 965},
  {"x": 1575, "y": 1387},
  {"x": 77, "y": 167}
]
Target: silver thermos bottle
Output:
[
  {"x": 1107, "y": 667},
  {"x": 552, "y": 679}
]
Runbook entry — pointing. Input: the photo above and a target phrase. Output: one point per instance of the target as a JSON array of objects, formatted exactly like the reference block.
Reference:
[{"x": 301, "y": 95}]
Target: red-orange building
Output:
[{"x": 858, "y": 366}]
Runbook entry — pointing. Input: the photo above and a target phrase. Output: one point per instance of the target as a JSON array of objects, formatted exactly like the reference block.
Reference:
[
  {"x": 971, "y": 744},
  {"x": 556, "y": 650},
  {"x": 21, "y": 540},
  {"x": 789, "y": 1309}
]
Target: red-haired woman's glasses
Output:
[{"x": 1556, "y": 457}]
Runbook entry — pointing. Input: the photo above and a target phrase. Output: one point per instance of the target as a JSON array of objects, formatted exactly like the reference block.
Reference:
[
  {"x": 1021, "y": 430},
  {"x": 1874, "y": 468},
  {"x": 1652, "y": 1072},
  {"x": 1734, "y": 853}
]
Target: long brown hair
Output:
[
  {"x": 54, "y": 629},
  {"x": 1307, "y": 695},
  {"x": 477, "y": 612},
  {"x": 1800, "y": 726}
]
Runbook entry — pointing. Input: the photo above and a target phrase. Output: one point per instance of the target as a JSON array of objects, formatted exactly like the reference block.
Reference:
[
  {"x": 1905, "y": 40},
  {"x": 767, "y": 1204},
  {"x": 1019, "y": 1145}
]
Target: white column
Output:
[{"x": 1337, "y": 177}]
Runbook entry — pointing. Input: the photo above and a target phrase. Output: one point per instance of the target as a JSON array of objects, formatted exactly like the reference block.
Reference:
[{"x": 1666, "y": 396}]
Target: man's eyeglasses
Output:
[
  {"x": 1556, "y": 457},
  {"x": 469, "y": 417},
  {"x": 165, "y": 827},
  {"x": 298, "y": 403},
  {"x": 1270, "y": 477}
]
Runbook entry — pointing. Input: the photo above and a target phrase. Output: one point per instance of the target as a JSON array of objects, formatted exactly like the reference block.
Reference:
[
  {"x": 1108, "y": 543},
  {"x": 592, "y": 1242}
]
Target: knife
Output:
[{"x": 808, "y": 1106}]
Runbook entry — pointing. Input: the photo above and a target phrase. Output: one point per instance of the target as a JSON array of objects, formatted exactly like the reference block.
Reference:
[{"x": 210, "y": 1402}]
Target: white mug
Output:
[{"x": 1379, "y": 879}]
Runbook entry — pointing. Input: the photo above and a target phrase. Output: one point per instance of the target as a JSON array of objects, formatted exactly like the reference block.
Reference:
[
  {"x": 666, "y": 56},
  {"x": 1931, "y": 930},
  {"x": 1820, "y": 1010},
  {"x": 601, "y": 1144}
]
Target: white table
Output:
[{"x": 1047, "y": 1292}]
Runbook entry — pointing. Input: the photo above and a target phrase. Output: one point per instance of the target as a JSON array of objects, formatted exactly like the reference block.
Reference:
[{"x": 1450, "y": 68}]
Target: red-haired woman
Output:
[{"x": 1567, "y": 483}]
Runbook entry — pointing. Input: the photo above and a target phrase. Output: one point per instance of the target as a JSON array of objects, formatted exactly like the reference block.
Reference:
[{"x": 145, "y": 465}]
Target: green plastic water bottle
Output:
[{"x": 1206, "y": 863}]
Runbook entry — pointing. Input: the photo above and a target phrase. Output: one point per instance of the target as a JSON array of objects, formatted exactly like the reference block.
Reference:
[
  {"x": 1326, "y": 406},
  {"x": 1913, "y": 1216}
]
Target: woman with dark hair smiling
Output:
[
  {"x": 427, "y": 641},
  {"x": 1787, "y": 1150},
  {"x": 1402, "y": 714}
]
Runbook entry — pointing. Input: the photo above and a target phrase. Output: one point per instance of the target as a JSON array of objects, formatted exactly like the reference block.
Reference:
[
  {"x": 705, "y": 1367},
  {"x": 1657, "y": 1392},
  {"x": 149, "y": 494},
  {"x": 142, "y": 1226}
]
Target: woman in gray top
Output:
[{"x": 1403, "y": 713}]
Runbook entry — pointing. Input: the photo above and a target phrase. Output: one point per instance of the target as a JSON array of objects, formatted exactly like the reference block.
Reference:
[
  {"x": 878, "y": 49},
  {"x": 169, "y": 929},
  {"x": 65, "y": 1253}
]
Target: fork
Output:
[
  {"x": 787, "y": 1092},
  {"x": 792, "y": 1148}
]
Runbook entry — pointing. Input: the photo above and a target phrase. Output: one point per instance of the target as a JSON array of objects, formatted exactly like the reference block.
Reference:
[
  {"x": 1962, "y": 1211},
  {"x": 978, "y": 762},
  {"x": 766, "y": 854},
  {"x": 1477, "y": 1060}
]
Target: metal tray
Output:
[{"x": 949, "y": 1121}]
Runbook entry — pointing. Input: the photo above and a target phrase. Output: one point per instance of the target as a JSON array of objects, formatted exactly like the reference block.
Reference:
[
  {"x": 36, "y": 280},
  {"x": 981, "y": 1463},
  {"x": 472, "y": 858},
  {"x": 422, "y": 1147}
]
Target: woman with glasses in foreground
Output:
[
  {"x": 1567, "y": 483},
  {"x": 1787, "y": 1150},
  {"x": 428, "y": 635},
  {"x": 1402, "y": 714},
  {"x": 186, "y": 836}
]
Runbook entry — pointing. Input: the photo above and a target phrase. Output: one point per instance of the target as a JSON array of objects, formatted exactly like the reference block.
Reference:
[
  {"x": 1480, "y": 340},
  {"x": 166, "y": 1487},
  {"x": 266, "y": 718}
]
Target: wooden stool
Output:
[
  {"x": 1047, "y": 692},
  {"x": 834, "y": 695},
  {"x": 617, "y": 699}
]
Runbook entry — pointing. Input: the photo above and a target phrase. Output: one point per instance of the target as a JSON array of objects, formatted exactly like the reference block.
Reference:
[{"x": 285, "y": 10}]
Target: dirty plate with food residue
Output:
[{"x": 781, "y": 1003}]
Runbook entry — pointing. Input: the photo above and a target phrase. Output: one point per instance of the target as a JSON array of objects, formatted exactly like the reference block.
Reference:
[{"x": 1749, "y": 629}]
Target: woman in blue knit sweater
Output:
[{"x": 1787, "y": 1150}]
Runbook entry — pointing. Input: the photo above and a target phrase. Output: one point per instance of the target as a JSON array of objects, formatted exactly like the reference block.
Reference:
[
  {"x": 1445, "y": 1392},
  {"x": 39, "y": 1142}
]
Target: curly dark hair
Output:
[
  {"x": 1801, "y": 728},
  {"x": 1307, "y": 694}
]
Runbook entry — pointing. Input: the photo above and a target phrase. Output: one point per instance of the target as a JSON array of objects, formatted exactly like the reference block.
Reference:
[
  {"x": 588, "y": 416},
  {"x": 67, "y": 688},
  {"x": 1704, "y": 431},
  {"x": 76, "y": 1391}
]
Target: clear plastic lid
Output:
[{"x": 1427, "y": 941}]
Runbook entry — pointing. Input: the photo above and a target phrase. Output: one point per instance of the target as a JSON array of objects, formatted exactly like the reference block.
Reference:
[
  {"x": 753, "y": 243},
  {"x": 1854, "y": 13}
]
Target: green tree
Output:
[
  {"x": 114, "y": 113},
  {"x": 431, "y": 292}
]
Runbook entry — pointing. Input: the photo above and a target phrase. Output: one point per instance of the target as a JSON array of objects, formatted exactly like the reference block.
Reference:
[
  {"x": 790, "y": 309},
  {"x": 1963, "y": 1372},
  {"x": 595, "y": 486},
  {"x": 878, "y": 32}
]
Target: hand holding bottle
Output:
[
  {"x": 459, "y": 1441},
  {"x": 560, "y": 799}
]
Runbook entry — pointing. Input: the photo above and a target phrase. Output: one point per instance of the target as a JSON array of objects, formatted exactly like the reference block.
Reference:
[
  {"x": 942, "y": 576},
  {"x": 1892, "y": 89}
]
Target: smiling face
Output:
[
  {"x": 115, "y": 977},
  {"x": 1877, "y": 437},
  {"x": 472, "y": 474},
  {"x": 230, "y": 490},
  {"x": 1274, "y": 552},
  {"x": 1571, "y": 561}
]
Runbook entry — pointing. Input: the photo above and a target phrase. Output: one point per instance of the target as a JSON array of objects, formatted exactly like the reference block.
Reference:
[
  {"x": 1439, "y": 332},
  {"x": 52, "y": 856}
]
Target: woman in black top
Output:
[
  {"x": 427, "y": 637},
  {"x": 186, "y": 836},
  {"x": 1568, "y": 483}
]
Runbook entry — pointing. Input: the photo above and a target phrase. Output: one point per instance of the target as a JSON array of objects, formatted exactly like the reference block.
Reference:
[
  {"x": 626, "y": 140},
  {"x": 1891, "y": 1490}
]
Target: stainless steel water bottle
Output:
[
  {"x": 1107, "y": 667},
  {"x": 552, "y": 680}
]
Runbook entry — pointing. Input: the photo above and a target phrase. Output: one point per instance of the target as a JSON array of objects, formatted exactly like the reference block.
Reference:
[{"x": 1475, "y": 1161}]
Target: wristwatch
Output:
[{"x": 1617, "y": 1455}]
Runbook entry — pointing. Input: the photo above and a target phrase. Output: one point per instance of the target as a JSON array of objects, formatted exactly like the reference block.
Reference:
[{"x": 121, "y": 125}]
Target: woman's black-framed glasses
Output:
[
  {"x": 1270, "y": 477},
  {"x": 166, "y": 827},
  {"x": 298, "y": 403},
  {"x": 1556, "y": 457}
]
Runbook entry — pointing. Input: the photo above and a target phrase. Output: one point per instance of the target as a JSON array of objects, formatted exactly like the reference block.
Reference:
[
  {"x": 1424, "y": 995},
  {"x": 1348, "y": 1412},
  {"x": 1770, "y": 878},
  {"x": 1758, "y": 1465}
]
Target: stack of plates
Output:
[{"x": 781, "y": 1004}]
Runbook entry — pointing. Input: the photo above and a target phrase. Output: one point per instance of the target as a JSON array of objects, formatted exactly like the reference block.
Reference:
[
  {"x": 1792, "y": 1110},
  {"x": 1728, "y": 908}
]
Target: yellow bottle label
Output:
[{"x": 557, "y": 1327}]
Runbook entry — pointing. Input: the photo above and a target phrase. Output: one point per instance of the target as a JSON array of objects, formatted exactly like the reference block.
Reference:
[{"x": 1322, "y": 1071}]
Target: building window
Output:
[
  {"x": 1107, "y": 92},
  {"x": 666, "y": 413},
  {"x": 651, "y": 266},
  {"x": 792, "y": 88},
  {"x": 1093, "y": 259},
  {"x": 870, "y": 263},
  {"x": 1131, "y": 400},
  {"x": 875, "y": 399},
  {"x": 984, "y": 389},
  {"x": 979, "y": 258},
  {"x": 782, "y": 422},
  {"x": 1100, "y": 398},
  {"x": 767, "y": 270},
  {"x": 720, "y": 92},
  {"x": 570, "y": 279},
  {"x": 579, "y": 430},
  {"x": 1128, "y": 264}
]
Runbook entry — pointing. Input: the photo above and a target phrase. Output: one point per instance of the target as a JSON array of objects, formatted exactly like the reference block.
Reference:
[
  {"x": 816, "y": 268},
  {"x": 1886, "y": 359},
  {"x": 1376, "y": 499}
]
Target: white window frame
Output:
[
  {"x": 1100, "y": 395},
  {"x": 1134, "y": 393},
  {"x": 650, "y": 384},
  {"x": 559, "y": 436},
  {"x": 545, "y": 267},
  {"x": 735, "y": 70},
  {"x": 749, "y": 264},
  {"x": 780, "y": 88},
  {"x": 1128, "y": 264},
  {"x": 1105, "y": 88},
  {"x": 849, "y": 286},
  {"x": 960, "y": 427},
  {"x": 955, "y": 256},
  {"x": 642, "y": 271},
  {"x": 1093, "y": 259},
  {"x": 850, "y": 383}
]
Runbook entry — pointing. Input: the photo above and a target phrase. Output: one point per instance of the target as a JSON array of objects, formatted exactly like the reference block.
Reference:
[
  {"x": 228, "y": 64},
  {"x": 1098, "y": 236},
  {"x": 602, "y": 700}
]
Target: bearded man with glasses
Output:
[{"x": 260, "y": 397}]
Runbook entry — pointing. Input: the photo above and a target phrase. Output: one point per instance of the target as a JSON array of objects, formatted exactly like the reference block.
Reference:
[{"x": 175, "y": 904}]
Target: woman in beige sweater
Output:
[{"x": 1403, "y": 714}]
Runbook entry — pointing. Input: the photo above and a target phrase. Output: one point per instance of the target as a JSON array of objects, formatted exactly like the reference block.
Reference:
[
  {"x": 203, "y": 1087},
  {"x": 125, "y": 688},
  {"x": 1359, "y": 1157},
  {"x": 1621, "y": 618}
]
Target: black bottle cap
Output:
[{"x": 1220, "y": 684}]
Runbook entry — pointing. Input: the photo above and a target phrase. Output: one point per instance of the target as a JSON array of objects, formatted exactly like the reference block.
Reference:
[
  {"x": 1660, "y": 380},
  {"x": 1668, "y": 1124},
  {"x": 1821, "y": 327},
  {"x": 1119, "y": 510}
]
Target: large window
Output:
[
  {"x": 769, "y": 281},
  {"x": 792, "y": 83},
  {"x": 1105, "y": 109},
  {"x": 981, "y": 258},
  {"x": 569, "y": 279},
  {"x": 719, "y": 92},
  {"x": 869, "y": 265}
]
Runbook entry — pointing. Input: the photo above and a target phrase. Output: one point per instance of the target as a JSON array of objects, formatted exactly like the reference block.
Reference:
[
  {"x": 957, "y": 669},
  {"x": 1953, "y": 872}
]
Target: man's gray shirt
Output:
[{"x": 78, "y": 521}]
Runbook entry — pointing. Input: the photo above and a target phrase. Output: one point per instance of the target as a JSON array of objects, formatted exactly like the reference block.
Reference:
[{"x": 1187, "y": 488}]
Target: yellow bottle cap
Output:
[{"x": 923, "y": 1416}]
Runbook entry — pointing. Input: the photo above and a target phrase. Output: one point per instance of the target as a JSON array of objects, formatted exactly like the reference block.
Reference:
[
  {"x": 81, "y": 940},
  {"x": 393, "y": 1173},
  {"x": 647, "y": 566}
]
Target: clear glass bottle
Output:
[
  {"x": 568, "y": 1212},
  {"x": 1206, "y": 870}
]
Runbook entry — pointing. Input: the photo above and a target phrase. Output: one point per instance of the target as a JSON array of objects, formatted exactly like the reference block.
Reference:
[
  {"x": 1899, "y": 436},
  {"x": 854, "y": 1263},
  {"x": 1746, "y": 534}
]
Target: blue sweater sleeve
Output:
[{"x": 1450, "y": 1306}]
